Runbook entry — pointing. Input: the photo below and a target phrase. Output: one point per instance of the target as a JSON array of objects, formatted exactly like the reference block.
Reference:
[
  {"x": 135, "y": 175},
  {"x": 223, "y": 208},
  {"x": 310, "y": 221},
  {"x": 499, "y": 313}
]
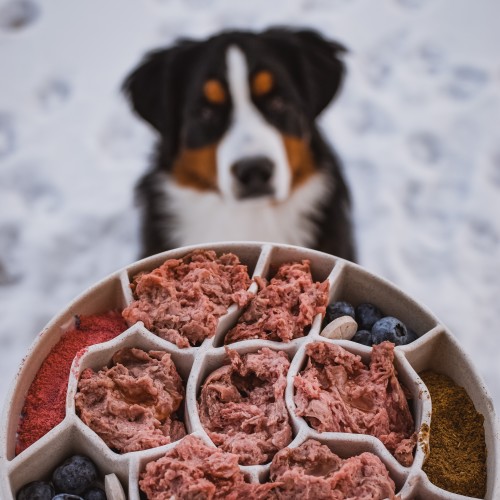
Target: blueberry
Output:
[
  {"x": 391, "y": 329},
  {"x": 363, "y": 337},
  {"x": 367, "y": 315},
  {"x": 75, "y": 475},
  {"x": 67, "y": 496},
  {"x": 338, "y": 309},
  {"x": 94, "y": 494},
  {"x": 36, "y": 490}
]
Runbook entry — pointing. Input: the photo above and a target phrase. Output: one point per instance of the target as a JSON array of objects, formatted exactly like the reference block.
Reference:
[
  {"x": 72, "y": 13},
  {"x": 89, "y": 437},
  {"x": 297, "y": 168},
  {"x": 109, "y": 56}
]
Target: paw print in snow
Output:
[
  {"x": 368, "y": 117},
  {"x": 425, "y": 147},
  {"x": 18, "y": 14},
  {"x": 53, "y": 94},
  {"x": 466, "y": 82}
]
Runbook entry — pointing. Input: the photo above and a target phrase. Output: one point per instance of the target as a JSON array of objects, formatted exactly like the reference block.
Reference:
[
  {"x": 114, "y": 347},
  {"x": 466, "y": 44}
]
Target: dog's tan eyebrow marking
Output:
[
  {"x": 262, "y": 83},
  {"x": 214, "y": 91}
]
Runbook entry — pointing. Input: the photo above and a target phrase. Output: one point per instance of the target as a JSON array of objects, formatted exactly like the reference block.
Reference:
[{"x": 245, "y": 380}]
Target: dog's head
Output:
[{"x": 236, "y": 112}]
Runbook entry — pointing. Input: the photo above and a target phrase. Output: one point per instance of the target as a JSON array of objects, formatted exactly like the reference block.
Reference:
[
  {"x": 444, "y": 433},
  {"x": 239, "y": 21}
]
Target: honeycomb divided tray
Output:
[{"x": 435, "y": 349}]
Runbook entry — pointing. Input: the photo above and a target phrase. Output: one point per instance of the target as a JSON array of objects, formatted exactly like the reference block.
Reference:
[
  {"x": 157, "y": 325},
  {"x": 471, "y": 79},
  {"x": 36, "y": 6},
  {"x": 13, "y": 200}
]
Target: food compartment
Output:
[
  {"x": 92, "y": 317},
  {"x": 229, "y": 320},
  {"x": 292, "y": 294},
  {"x": 236, "y": 398},
  {"x": 335, "y": 378},
  {"x": 442, "y": 355},
  {"x": 183, "y": 300},
  {"x": 351, "y": 468},
  {"x": 122, "y": 390},
  {"x": 198, "y": 475},
  {"x": 357, "y": 286},
  {"x": 40, "y": 463}
]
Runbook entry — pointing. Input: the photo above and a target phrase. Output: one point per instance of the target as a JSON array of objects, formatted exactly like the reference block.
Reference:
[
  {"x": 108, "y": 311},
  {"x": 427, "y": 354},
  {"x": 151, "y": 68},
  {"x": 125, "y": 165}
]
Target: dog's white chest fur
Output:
[{"x": 205, "y": 217}]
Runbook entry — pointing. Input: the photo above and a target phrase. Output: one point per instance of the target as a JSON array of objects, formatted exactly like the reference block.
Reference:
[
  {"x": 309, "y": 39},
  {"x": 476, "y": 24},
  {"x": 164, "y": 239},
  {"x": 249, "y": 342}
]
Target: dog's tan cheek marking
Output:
[
  {"x": 300, "y": 159},
  {"x": 214, "y": 91},
  {"x": 262, "y": 83},
  {"x": 196, "y": 168}
]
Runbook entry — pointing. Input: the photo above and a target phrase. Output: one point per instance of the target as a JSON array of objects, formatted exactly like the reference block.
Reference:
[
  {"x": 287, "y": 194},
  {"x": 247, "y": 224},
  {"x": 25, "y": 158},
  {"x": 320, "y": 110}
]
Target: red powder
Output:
[{"x": 45, "y": 404}]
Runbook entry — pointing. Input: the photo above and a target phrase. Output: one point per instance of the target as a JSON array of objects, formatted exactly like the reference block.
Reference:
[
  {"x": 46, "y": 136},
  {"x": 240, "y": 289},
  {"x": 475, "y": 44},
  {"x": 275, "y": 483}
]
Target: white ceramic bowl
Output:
[{"x": 436, "y": 349}]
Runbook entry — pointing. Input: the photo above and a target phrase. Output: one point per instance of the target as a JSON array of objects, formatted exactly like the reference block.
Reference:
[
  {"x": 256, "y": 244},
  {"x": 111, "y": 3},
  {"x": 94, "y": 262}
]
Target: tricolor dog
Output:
[{"x": 239, "y": 156}]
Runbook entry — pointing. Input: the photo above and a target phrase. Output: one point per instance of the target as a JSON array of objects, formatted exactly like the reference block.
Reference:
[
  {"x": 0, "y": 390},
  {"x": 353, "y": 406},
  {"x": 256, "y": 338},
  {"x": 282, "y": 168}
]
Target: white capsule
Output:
[
  {"x": 343, "y": 328},
  {"x": 113, "y": 487}
]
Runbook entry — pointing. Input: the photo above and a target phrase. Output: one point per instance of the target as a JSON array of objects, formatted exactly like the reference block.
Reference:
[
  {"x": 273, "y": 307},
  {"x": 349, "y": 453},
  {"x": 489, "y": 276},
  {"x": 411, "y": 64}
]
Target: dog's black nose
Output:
[{"x": 254, "y": 175}]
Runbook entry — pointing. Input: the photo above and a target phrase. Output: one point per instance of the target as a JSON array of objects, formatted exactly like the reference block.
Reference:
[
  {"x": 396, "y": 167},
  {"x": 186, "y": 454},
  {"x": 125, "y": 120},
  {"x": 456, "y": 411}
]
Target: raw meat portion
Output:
[
  {"x": 182, "y": 300},
  {"x": 132, "y": 405},
  {"x": 336, "y": 392},
  {"x": 242, "y": 405},
  {"x": 194, "y": 470},
  {"x": 283, "y": 309},
  {"x": 312, "y": 472}
]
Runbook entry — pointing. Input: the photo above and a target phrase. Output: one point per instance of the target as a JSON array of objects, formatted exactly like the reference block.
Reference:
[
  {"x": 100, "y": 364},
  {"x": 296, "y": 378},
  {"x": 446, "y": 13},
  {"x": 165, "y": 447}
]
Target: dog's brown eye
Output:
[{"x": 277, "y": 104}]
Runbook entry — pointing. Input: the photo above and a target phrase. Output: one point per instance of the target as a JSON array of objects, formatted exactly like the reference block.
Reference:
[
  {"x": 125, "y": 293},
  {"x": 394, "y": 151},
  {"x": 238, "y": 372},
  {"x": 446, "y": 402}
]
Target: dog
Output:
[{"x": 239, "y": 156}]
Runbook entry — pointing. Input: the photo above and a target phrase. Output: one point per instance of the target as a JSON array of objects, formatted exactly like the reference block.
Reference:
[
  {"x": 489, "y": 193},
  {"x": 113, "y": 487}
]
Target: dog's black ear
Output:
[
  {"x": 313, "y": 61},
  {"x": 147, "y": 86},
  {"x": 154, "y": 87}
]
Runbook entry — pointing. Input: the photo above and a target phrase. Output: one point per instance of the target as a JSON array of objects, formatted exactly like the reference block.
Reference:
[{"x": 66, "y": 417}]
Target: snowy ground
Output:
[{"x": 417, "y": 126}]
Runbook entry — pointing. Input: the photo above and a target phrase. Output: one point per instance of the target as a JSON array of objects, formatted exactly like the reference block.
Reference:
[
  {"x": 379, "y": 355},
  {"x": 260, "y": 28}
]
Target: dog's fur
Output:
[{"x": 239, "y": 156}]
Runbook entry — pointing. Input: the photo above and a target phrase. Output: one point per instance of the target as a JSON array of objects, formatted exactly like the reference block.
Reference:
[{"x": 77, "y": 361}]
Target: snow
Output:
[{"x": 416, "y": 126}]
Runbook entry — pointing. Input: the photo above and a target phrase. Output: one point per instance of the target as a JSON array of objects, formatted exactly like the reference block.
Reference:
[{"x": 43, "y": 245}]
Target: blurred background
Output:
[{"x": 416, "y": 125}]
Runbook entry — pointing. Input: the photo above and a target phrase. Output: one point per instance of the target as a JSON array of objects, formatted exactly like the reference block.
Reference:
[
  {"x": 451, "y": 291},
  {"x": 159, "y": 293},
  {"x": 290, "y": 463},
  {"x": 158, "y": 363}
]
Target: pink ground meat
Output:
[
  {"x": 309, "y": 472},
  {"x": 242, "y": 405},
  {"x": 284, "y": 308},
  {"x": 182, "y": 300},
  {"x": 132, "y": 405},
  {"x": 312, "y": 472},
  {"x": 193, "y": 470},
  {"x": 336, "y": 392}
]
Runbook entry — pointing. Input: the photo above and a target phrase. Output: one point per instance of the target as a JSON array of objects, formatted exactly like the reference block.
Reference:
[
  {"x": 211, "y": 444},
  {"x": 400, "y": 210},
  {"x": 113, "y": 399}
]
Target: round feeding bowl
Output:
[{"x": 435, "y": 349}]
